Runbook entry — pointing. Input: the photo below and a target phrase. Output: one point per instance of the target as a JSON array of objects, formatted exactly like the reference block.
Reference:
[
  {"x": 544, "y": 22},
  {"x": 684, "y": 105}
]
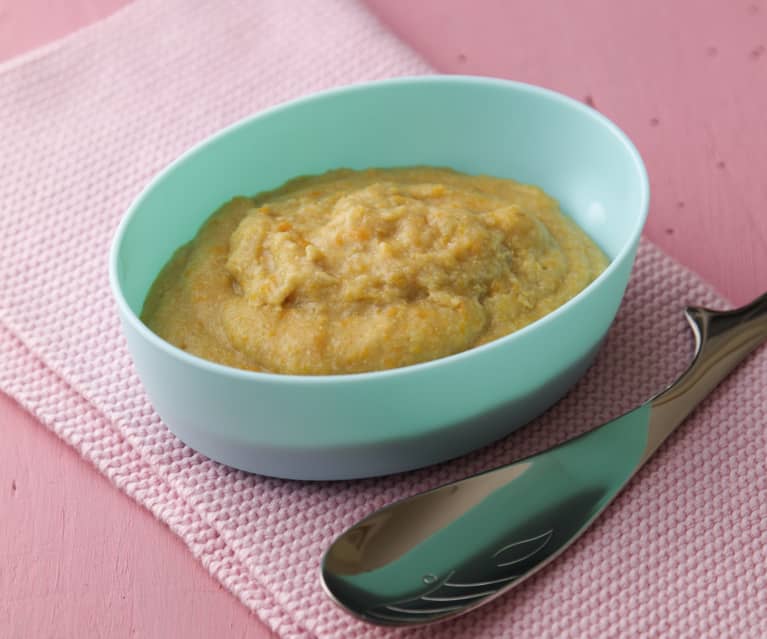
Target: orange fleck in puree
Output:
[{"x": 355, "y": 271}]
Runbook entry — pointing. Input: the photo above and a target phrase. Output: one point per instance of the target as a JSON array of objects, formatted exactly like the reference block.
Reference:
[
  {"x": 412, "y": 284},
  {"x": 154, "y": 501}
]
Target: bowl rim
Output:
[{"x": 220, "y": 369}]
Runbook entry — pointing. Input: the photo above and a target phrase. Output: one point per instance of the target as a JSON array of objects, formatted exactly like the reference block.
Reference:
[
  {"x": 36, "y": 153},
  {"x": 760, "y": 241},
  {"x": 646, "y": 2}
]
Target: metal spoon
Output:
[{"x": 447, "y": 551}]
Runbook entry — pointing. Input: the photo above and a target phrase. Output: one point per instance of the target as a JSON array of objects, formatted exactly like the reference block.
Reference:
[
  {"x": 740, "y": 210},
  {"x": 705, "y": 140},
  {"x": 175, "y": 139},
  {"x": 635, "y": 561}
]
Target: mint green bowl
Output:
[{"x": 346, "y": 426}]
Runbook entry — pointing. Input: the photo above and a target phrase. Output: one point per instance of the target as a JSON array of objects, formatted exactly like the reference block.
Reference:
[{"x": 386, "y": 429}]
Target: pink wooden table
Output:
[{"x": 686, "y": 80}]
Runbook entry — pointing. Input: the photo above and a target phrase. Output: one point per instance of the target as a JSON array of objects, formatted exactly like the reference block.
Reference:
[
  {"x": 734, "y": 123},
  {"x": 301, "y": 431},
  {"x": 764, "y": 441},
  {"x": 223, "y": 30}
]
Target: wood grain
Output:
[
  {"x": 687, "y": 80},
  {"x": 80, "y": 559},
  {"x": 25, "y": 25}
]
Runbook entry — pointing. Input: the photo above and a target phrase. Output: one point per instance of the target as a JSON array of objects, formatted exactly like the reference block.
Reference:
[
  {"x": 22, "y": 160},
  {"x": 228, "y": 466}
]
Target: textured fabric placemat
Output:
[{"x": 84, "y": 124}]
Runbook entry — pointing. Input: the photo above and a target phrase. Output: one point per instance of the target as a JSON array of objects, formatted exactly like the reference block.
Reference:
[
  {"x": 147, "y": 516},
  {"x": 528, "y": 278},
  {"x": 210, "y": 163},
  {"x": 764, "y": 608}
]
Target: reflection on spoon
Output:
[{"x": 447, "y": 551}]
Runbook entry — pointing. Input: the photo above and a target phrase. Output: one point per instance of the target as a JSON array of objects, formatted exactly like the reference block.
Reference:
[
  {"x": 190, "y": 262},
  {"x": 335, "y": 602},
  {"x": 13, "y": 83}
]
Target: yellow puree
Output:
[{"x": 355, "y": 271}]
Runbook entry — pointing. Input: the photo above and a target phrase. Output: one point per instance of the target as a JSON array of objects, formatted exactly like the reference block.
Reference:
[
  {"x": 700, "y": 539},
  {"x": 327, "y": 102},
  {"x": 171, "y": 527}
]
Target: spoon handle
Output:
[{"x": 723, "y": 339}]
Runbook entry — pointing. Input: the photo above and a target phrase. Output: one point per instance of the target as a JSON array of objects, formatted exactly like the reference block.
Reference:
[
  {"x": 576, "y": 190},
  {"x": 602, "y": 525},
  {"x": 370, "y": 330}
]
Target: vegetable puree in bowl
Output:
[{"x": 358, "y": 271}]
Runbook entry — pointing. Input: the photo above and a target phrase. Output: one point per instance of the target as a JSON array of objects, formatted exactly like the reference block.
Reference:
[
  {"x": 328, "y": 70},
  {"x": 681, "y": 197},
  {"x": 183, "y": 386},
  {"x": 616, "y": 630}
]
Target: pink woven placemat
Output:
[{"x": 86, "y": 122}]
